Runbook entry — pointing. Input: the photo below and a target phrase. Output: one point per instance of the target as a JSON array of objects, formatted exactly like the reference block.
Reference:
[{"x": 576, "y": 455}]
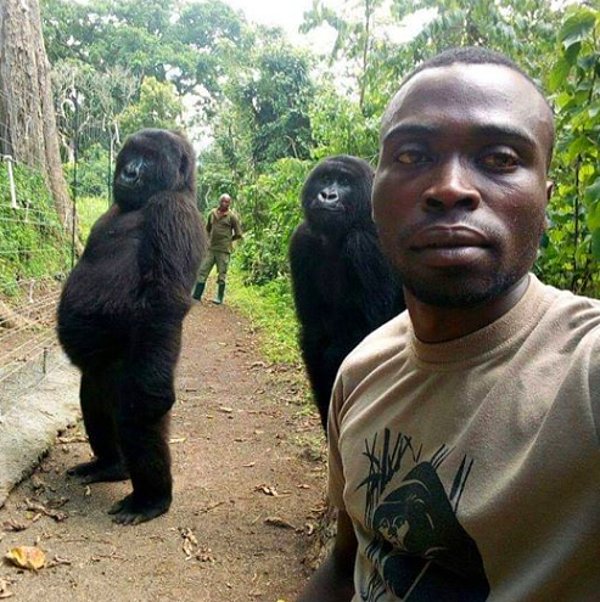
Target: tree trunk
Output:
[{"x": 27, "y": 120}]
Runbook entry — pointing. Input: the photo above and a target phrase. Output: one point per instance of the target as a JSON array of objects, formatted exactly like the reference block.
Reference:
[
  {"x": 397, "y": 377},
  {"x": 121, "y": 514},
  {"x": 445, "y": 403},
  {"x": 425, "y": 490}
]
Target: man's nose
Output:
[{"x": 451, "y": 187}]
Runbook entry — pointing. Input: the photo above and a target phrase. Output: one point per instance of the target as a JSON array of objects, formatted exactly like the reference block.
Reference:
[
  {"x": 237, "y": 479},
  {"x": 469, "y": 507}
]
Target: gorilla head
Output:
[
  {"x": 337, "y": 194},
  {"x": 152, "y": 161}
]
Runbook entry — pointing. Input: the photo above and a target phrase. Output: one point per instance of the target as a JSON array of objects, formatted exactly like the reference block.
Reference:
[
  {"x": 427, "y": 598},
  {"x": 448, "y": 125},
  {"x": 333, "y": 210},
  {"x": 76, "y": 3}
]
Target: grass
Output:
[
  {"x": 89, "y": 209},
  {"x": 270, "y": 309}
]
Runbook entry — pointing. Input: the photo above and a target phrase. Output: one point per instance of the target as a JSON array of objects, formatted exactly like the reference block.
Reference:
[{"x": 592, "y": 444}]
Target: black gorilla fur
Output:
[
  {"x": 343, "y": 287},
  {"x": 120, "y": 316}
]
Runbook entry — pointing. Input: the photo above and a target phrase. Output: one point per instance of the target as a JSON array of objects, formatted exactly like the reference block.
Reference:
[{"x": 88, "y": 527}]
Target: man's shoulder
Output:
[
  {"x": 575, "y": 315},
  {"x": 387, "y": 340}
]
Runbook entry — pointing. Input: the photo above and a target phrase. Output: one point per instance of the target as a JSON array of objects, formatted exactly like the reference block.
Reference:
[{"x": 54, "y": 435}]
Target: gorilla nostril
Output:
[
  {"x": 131, "y": 172},
  {"x": 328, "y": 196}
]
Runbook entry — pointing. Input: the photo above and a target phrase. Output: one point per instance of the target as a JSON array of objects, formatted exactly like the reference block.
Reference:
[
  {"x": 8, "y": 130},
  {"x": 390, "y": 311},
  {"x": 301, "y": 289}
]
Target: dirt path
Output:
[{"x": 249, "y": 484}]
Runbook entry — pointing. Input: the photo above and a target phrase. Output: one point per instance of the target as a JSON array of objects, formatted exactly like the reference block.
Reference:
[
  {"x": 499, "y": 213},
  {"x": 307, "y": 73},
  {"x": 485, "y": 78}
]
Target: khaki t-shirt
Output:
[
  {"x": 223, "y": 229},
  {"x": 471, "y": 469}
]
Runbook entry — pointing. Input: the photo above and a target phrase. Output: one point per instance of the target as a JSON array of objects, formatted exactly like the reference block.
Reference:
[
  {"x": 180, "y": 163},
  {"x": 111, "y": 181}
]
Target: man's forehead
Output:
[{"x": 470, "y": 91}]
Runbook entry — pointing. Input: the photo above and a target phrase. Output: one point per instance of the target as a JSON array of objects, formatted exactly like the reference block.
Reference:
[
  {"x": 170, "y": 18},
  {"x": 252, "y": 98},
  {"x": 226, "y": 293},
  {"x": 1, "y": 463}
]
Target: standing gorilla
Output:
[
  {"x": 120, "y": 315},
  {"x": 343, "y": 287}
]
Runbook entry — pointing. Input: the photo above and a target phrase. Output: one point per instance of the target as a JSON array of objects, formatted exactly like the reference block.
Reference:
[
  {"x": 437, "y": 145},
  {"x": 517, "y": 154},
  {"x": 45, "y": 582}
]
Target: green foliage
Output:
[
  {"x": 33, "y": 244},
  {"x": 270, "y": 211},
  {"x": 215, "y": 178},
  {"x": 103, "y": 50},
  {"x": 89, "y": 209},
  {"x": 143, "y": 38},
  {"x": 158, "y": 107},
  {"x": 271, "y": 309},
  {"x": 93, "y": 172},
  {"x": 265, "y": 117},
  {"x": 569, "y": 257},
  {"x": 339, "y": 127},
  {"x": 266, "y": 121}
]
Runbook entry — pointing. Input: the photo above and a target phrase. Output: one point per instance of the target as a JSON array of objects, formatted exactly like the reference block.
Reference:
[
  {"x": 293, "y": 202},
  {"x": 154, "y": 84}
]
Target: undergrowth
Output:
[
  {"x": 89, "y": 209},
  {"x": 33, "y": 244},
  {"x": 270, "y": 309}
]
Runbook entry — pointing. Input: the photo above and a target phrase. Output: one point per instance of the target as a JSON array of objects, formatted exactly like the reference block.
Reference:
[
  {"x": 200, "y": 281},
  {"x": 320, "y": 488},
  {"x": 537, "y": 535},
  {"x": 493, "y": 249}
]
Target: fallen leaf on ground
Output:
[
  {"x": 178, "y": 440},
  {"x": 249, "y": 465},
  {"x": 276, "y": 521},
  {"x": 190, "y": 543},
  {"x": 27, "y": 557},
  {"x": 57, "y": 515},
  {"x": 267, "y": 490},
  {"x": 4, "y": 591},
  {"x": 210, "y": 507},
  {"x": 38, "y": 485},
  {"x": 205, "y": 555},
  {"x": 225, "y": 409},
  {"x": 14, "y": 525},
  {"x": 58, "y": 561},
  {"x": 74, "y": 439}
]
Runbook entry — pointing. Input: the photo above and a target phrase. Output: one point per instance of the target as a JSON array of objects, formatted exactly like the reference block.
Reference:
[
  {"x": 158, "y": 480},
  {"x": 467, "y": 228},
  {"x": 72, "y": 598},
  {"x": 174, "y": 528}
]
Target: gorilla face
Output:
[
  {"x": 152, "y": 161},
  {"x": 337, "y": 194}
]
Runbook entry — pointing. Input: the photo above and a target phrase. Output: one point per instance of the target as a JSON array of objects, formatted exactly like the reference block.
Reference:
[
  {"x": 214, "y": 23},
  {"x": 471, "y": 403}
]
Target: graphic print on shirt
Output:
[{"x": 420, "y": 551}]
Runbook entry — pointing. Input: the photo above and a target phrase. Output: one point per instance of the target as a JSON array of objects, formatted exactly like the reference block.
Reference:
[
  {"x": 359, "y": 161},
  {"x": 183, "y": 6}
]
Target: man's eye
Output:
[
  {"x": 500, "y": 161},
  {"x": 411, "y": 157}
]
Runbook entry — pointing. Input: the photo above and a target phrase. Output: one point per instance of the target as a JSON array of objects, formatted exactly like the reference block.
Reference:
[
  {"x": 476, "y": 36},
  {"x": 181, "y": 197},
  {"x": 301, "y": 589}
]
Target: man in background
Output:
[{"x": 223, "y": 227}]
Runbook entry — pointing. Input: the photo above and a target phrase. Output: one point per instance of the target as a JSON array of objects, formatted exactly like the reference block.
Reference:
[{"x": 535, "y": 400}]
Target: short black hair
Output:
[
  {"x": 478, "y": 55},
  {"x": 473, "y": 55}
]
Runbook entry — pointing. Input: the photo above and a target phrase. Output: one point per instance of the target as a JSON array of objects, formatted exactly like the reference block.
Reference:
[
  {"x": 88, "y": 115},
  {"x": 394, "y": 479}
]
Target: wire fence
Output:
[{"x": 36, "y": 253}]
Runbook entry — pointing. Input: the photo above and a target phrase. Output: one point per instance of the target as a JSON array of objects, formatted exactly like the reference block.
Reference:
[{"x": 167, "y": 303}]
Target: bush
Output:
[
  {"x": 270, "y": 212},
  {"x": 33, "y": 244}
]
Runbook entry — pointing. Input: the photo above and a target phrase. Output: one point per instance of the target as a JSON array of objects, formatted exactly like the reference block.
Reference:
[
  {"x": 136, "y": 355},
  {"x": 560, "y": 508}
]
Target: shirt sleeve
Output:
[
  {"x": 594, "y": 377},
  {"x": 336, "y": 480}
]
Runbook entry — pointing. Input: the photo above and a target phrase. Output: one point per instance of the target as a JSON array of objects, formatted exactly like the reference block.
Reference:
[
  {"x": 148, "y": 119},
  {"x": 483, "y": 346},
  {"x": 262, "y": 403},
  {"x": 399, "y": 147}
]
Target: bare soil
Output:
[{"x": 248, "y": 496}]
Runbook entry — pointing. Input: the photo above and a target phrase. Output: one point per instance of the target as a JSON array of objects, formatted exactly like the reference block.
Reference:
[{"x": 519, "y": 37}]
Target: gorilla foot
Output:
[
  {"x": 97, "y": 471},
  {"x": 130, "y": 511}
]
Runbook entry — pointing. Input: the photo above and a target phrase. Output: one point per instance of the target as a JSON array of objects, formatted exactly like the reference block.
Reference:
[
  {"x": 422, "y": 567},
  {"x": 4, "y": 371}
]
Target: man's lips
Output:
[{"x": 447, "y": 237}]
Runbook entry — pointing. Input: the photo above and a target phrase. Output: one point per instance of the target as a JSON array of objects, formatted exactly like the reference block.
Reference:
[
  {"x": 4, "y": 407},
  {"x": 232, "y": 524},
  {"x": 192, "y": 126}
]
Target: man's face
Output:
[
  {"x": 460, "y": 191},
  {"x": 224, "y": 203}
]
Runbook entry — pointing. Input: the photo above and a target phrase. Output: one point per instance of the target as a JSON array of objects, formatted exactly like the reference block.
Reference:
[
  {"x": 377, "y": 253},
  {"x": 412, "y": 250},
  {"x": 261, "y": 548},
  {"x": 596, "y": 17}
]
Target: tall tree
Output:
[{"x": 27, "y": 120}]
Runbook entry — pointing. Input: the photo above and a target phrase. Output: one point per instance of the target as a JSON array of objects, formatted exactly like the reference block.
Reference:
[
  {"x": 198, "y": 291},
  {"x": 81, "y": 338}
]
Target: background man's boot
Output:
[
  {"x": 218, "y": 300},
  {"x": 197, "y": 294}
]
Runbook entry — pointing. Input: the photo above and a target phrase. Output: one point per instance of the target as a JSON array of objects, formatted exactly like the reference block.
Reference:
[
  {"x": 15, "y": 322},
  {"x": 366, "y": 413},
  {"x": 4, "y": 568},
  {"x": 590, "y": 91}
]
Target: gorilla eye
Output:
[
  {"x": 411, "y": 157},
  {"x": 500, "y": 161}
]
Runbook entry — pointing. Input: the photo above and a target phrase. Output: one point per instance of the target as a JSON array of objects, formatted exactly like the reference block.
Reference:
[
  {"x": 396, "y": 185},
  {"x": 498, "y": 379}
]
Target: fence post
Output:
[
  {"x": 73, "y": 99},
  {"x": 11, "y": 180}
]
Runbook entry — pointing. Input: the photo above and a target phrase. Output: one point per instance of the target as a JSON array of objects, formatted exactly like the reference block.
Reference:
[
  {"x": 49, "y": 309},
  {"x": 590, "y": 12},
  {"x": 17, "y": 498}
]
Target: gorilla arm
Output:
[
  {"x": 381, "y": 295},
  {"x": 172, "y": 240},
  {"x": 306, "y": 260},
  {"x": 333, "y": 580},
  {"x": 173, "y": 243}
]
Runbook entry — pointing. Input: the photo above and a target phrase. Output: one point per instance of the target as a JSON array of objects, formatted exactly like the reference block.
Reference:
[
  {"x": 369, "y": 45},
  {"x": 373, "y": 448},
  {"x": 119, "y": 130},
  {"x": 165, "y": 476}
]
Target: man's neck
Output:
[{"x": 436, "y": 324}]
